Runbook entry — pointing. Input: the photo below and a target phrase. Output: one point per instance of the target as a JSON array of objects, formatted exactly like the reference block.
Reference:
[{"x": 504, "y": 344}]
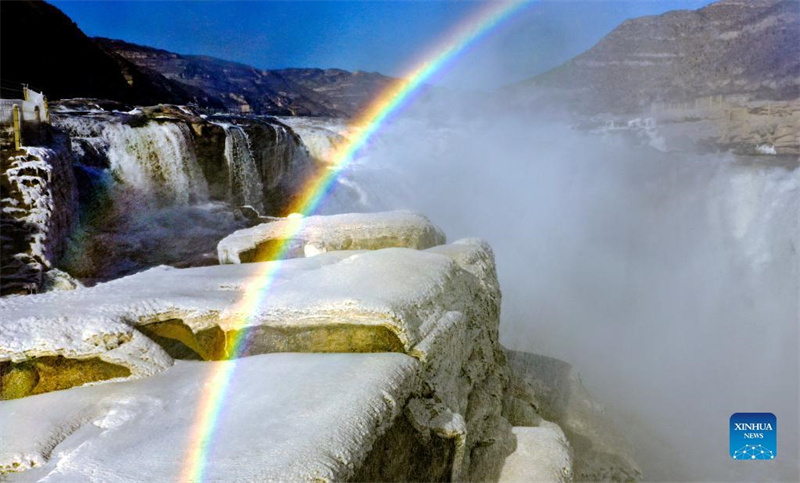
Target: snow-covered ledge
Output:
[{"x": 438, "y": 308}]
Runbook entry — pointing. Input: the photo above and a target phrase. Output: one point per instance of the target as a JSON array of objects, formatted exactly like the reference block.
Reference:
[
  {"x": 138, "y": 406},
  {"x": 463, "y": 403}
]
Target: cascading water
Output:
[
  {"x": 321, "y": 137},
  {"x": 245, "y": 180},
  {"x": 156, "y": 163},
  {"x": 145, "y": 199},
  {"x": 280, "y": 157}
]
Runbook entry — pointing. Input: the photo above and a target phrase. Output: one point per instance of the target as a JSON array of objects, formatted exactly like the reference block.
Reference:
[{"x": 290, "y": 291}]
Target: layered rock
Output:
[
  {"x": 39, "y": 203},
  {"x": 422, "y": 303},
  {"x": 731, "y": 47},
  {"x": 725, "y": 77},
  {"x": 39, "y": 355},
  {"x": 317, "y": 234},
  {"x": 418, "y": 388}
]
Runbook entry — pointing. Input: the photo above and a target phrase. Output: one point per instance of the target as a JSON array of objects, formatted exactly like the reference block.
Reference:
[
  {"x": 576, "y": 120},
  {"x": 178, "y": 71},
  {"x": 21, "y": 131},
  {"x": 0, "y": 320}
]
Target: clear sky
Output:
[{"x": 382, "y": 36}]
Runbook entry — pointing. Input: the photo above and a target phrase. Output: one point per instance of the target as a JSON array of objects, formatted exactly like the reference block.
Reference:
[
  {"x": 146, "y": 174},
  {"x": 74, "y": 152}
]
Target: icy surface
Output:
[
  {"x": 81, "y": 338},
  {"x": 353, "y": 231},
  {"x": 287, "y": 417},
  {"x": 543, "y": 454},
  {"x": 399, "y": 289}
]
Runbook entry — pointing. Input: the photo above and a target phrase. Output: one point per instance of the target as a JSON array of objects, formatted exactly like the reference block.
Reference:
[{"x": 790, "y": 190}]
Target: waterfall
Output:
[
  {"x": 155, "y": 162},
  {"x": 245, "y": 182},
  {"x": 321, "y": 137}
]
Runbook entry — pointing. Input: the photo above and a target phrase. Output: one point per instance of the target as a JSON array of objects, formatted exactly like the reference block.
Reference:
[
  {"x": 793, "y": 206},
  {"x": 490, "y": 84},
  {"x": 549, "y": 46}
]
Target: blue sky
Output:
[{"x": 383, "y": 36}]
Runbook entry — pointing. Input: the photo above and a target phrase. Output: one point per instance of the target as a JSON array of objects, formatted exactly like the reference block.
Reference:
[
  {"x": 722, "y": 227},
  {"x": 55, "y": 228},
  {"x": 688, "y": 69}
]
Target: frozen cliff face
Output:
[
  {"x": 39, "y": 209},
  {"x": 318, "y": 234}
]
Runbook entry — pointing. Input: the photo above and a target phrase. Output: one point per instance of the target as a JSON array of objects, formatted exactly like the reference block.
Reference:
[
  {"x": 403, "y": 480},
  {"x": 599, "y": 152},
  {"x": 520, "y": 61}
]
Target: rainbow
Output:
[{"x": 369, "y": 121}]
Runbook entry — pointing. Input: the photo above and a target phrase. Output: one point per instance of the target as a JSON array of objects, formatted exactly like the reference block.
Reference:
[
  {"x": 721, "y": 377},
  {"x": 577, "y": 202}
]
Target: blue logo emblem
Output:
[{"x": 754, "y": 436}]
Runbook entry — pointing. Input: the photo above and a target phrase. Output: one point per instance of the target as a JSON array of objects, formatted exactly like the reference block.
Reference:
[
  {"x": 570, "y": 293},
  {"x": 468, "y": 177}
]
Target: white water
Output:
[
  {"x": 156, "y": 163},
  {"x": 321, "y": 137},
  {"x": 670, "y": 281},
  {"x": 245, "y": 181}
]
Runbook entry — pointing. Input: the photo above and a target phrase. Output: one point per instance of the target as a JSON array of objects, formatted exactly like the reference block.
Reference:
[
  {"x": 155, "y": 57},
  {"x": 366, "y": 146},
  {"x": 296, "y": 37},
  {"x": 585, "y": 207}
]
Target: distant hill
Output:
[
  {"x": 42, "y": 47},
  {"x": 340, "y": 89},
  {"x": 242, "y": 88},
  {"x": 731, "y": 47}
]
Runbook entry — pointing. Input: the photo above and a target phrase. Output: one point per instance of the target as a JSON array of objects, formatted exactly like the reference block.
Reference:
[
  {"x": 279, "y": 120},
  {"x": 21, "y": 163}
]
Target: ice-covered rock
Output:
[
  {"x": 544, "y": 387},
  {"x": 543, "y": 454},
  {"x": 38, "y": 208},
  {"x": 440, "y": 306},
  {"x": 39, "y": 355},
  {"x": 317, "y": 234},
  {"x": 287, "y": 417}
]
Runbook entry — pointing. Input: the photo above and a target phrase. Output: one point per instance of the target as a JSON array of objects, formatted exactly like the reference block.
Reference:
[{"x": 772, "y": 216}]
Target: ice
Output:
[
  {"x": 543, "y": 454},
  {"x": 286, "y": 417},
  {"x": 317, "y": 234}
]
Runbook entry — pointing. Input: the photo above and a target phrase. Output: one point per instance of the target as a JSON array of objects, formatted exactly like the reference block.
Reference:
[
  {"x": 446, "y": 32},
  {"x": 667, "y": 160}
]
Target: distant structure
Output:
[{"x": 21, "y": 119}]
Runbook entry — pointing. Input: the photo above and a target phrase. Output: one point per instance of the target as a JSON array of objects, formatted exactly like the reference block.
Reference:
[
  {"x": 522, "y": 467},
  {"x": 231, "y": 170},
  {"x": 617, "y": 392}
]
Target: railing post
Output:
[{"x": 16, "y": 122}]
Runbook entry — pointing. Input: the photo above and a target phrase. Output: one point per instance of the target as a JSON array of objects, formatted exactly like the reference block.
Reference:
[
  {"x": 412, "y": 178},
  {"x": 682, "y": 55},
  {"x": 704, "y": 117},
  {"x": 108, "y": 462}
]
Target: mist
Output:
[{"x": 670, "y": 281}]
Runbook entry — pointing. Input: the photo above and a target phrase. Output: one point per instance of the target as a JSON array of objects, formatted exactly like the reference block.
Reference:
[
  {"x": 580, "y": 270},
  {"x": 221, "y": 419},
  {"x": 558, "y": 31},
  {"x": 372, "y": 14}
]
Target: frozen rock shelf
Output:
[
  {"x": 365, "y": 365},
  {"x": 352, "y": 231},
  {"x": 287, "y": 417}
]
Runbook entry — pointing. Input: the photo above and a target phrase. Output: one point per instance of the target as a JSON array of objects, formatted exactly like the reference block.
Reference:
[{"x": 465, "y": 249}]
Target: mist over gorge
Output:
[{"x": 576, "y": 277}]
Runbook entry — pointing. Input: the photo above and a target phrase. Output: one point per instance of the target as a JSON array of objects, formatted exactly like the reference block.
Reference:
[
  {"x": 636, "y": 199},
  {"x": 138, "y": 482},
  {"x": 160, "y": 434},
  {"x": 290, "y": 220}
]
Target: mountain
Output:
[
  {"x": 40, "y": 46},
  {"x": 246, "y": 89},
  {"x": 65, "y": 63},
  {"x": 731, "y": 47},
  {"x": 342, "y": 90}
]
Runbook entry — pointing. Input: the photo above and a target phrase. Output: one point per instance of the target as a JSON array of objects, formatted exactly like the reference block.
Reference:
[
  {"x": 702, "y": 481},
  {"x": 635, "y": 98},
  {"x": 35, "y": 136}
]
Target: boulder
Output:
[{"x": 316, "y": 234}]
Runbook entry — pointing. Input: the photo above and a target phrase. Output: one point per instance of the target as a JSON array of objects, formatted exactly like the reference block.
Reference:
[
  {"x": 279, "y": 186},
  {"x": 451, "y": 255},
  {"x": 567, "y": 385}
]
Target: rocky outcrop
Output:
[
  {"x": 547, "y": 388},
  {"x": 39, "y": 355},
  {"x": 725, "y": 77},
  {"x": 543, "y": 454},
  {"x": 346, "y": 92},
  {"x": 423, "y": 304},
  {"x": 305, "y": 237},
  {"x": 39, "y": 203},
  {"x": 364, "y": 365},
  {"x": 731, "y": 47},
  {"x": 746, "y": 128}
]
